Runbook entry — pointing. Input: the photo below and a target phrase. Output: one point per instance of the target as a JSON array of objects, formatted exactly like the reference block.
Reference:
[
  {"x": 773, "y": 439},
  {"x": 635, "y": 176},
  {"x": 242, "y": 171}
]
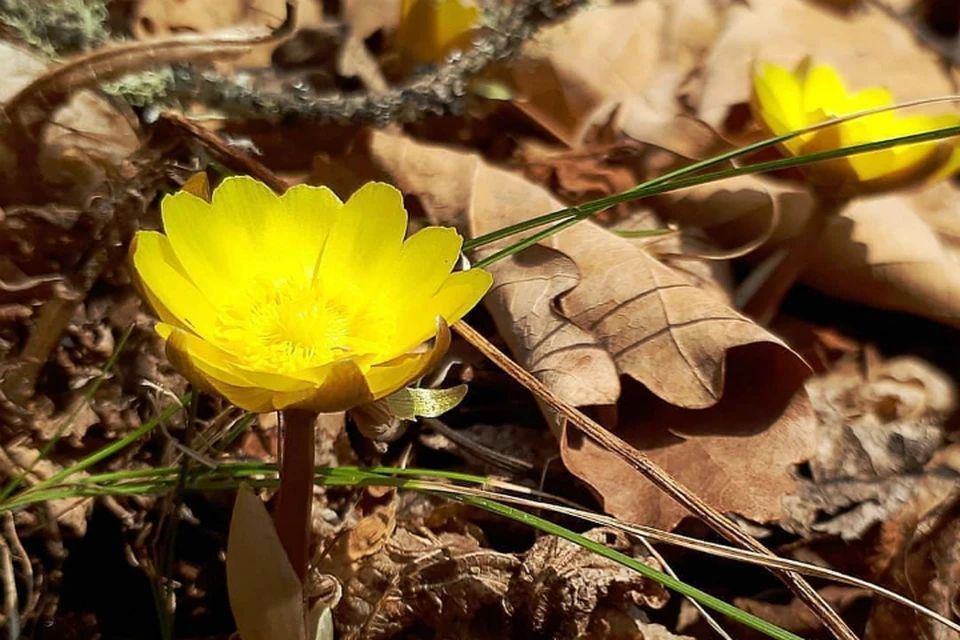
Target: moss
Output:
[
  {"x": 142, "y": 89},
  {"x": 58, "y": 28}
]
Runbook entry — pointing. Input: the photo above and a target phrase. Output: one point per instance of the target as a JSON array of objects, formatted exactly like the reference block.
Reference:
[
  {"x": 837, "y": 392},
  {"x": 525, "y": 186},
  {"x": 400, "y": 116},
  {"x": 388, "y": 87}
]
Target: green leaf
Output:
[{"x": 410, "y": 402}]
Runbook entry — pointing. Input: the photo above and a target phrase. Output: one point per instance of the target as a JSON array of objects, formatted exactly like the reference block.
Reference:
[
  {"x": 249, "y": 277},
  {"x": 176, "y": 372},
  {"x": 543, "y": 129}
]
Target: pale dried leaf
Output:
[
  {"x": 265, "y": 595},
  {"x": 894, "y": 252},
  {"x": 163, "y": 18},
  {"x": 880, "y": 252},
  {"x": 574, "y": 74},
  {"x": 624, "y": 312},
  {"x": 70, "y": 513}
]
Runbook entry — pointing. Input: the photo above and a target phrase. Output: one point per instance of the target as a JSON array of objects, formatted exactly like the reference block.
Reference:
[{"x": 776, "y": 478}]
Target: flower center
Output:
[{"x": 286, "y": 326}]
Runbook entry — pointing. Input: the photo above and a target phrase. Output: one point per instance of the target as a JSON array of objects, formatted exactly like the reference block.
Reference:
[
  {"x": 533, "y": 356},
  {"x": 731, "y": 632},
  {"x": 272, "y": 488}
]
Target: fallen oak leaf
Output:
[
  {"x": 577, "y": 72},
  {"x": 893, "y": 252},
  {"x": 638, "y": 318}
]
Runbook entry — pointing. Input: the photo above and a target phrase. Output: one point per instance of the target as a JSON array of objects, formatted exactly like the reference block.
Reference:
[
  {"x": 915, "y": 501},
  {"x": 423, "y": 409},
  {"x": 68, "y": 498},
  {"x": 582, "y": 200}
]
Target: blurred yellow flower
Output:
[
  {"x": 301, "y": 300},
  {"x": 785, "y": 101},
  {"x": 430, "y": 29}
]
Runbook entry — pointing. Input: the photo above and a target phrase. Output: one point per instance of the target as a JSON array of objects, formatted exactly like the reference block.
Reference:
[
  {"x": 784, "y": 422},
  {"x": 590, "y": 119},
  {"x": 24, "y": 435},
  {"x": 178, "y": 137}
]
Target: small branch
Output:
[
  {"x": 660, "y": 478},
  {"x": 434, "y": 93},
  {"x": 292, "y": 517}
]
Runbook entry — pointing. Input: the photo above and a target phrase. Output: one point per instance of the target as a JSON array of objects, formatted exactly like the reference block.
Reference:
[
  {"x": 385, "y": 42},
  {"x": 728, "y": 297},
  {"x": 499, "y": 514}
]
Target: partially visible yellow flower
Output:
[
  {"x": 301, "y": 300},
  {"x": 785, "y": 101},
  {"x": 430, "y": 29}
]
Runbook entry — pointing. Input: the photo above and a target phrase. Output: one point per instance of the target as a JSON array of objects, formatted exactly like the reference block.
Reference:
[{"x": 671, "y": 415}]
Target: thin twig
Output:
[
  {"x": 696, "y": 605},
  {"x": 483, "y": 452},
  {"x": 660, "y": 478}
]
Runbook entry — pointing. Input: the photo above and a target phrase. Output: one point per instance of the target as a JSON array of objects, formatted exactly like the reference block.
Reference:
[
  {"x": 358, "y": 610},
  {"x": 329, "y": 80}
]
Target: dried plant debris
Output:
[
  {"x": 400, "y": 579},
  {"x": 565, "y": 591},
  {"x": 920, "y": 546},
  {"x": 877, "y": 431}
]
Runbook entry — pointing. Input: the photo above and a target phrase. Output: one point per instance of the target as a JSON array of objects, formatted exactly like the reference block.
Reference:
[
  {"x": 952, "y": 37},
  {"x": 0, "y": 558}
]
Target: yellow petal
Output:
[
  {"x": 779, "y": 97},
  {"x": 459, "y": 293},
  {"x": 218, "y": 243},
  {"x": 199, "y": 185},
  {"x": 426, "y": 259},
  {"x": 247, "y": 233},
  {"x": 454, "y": 20},
  {"x": 163, "y": 282},
  {"x": 363, "y": 245},
  {"x": 342, "y": 388},
  {"x": 210, "y": 377},
  {"x": 823, "y": 90},
  {"x": 430, "y": 29},
  {"x": 220, "y": 365},
  {"x": 301, "y": 232},
  {"x": 390, "y": 376},
  {"x": 339, "y": 386}
]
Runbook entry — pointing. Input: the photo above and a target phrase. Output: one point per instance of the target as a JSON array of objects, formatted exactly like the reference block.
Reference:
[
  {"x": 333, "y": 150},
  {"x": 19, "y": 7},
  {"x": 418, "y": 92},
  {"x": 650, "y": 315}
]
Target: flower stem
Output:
[{"x": 292, "y": 516}]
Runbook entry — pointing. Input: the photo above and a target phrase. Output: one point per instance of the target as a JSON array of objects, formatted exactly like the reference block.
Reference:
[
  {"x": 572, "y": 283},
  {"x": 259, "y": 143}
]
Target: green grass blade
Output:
[
  {"x": 667, "y": 581},
  {"x": 16, "y": 481},
  {"x": 684, "y": 177}
]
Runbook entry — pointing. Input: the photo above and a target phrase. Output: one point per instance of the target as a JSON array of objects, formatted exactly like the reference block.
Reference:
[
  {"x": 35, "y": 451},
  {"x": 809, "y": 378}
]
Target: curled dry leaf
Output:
[
  {"x": 565, "y": 591},
  {"x": 88, "y": 133},
  {"x": 876, "y": 432},
  {"x": 572, "y": 75},
  {"x": 922, "y": 545},
  {"x": 395, "y": 580},
  {"x": 586, "y": 306},
  {"x": 26, "y": 113},
  {"x": 892, "y": 252},
  {"x": 162, "y": 18}
]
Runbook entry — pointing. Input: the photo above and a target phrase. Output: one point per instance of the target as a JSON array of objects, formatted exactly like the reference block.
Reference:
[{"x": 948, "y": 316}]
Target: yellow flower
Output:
[
  {"x": 431, "y": 29},
  {"x": 301, "y": 300},
  {"x": 785, "y": 101}
]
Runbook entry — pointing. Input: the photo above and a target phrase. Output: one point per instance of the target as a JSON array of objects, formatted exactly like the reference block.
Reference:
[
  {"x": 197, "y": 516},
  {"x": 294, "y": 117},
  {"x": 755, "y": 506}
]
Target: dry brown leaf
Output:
[
  {"x": 565, "y": 591},
  {"x": 883, "y": 251},
  {"x": 574, "y": 74},
  {"x": 618, "y": 310},
  {"x": 924, "y": 561},
  {"x": 89, "y": 126},
  {"x": 70, "y": 513},
  {"x": 880, "y": 252},
  {"x": 867, "y": 47},
  {"x": 265, "y": 595},
  {"x": 163, "y": 18},
  {"x": 394, "y": 579},
  {"x": 876, "y": 432}
]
